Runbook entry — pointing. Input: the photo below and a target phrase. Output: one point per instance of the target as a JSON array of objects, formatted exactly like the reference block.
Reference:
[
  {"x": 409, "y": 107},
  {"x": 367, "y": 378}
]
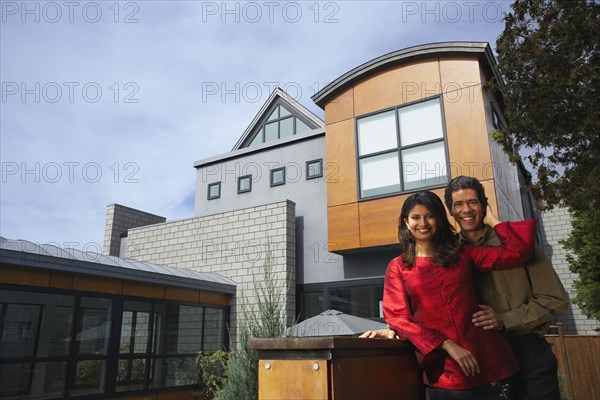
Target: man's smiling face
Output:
[{"x": 468, "y": 212}]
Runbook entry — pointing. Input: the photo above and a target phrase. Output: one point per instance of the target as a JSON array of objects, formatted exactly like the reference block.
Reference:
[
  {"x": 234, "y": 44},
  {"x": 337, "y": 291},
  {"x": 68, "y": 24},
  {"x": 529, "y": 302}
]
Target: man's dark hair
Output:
[{"x": 461, "y": 183}]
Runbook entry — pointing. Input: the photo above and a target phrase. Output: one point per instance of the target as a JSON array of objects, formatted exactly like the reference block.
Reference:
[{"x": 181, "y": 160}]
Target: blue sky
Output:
[{"x": 112, "y": 102}]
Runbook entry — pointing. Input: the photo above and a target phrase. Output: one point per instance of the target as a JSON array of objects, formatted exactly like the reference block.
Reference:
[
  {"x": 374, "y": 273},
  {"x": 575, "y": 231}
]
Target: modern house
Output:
[
  {"x": 323, "y": 196},
  {"x": 316, "y": 201}
]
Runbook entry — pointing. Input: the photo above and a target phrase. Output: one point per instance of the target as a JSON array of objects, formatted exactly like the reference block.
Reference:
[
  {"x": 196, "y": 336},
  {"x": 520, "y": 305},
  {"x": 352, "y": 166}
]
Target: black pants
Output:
[
  {"x": 497, "y": 391},
  {"x": 538, "y": 378}
]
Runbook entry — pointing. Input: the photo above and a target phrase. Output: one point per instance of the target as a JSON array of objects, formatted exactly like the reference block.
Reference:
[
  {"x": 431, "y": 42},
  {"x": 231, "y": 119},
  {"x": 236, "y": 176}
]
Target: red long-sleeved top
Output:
[{"x": 428, "y": 304}]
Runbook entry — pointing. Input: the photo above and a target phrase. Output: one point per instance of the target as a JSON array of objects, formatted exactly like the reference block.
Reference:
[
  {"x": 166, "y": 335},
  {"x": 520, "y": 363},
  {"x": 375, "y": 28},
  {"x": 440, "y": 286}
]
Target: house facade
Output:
[{"x": 319, "y": 199}]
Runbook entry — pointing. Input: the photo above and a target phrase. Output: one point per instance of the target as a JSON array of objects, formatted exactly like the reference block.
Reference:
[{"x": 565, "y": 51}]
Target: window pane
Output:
[
  {"x": 379, "y": 175},
  {"x": 131, "y": 374},
  {"x": 424, "y": 166},
  {"x": 274, "y": 115},
  {"x": 178, "y": 329},
  {"x": 20, "y": 329},
  {"x": 20, "y": 381},
  {"x": 244, "y": 184},
  {"x": 14, "y": 379},
  {"x": 135, "y": 327},
  {"x": 20, "y": 325},
  {"x": 283, "y": 112},
  {"x": 301, "y": 127},
  {"x": 277, "y": 177},
  {"x": 213, "y": 330},
  {"x": 214, "y": 190},
  {"x": 361, "y": 301},
  {"x": 94, "y": 326},
  {"x": 377, "y": 133},
  {"x": 271, "y": 132},
  {"x": 174, "y": 371},
  {"x": 420, "y": 122},
  {"x": 286, "y": 127},
  {"x": 89, "y": 377},
  {"x": 313, "y": 304},
  {"x": 314, "y": 169},
  {"x": 258, "y": 139}
]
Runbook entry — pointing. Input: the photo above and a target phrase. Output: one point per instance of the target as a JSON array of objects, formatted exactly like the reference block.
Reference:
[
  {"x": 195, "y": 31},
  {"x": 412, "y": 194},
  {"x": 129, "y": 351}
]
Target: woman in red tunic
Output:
[{"x": 429, "y": 298}]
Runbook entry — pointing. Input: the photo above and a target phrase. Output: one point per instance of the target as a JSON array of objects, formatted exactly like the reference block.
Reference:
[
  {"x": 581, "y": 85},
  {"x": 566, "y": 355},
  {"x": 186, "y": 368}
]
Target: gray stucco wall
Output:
[{"x": 315, "y": 264}]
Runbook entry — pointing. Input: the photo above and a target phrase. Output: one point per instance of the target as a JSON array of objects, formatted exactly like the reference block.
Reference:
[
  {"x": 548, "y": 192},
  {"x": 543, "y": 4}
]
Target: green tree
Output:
[
  {"x": 584, "y": 241},
  {"x": 549, "y": 57}
]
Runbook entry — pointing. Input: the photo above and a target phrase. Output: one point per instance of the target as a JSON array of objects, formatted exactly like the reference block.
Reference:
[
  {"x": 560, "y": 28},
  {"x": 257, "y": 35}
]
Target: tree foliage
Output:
[
  {"x": 549, "y": 57},
  {"x": 584, "y": 241}
]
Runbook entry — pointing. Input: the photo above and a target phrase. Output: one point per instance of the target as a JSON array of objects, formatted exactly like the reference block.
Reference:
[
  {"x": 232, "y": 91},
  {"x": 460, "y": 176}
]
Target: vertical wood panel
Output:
[
  {"x": 340, "y": 171},
  {"x": 292, "y": 379},
  {"x": 340, "y": 108},
  {"x": 343, "y": 227}
]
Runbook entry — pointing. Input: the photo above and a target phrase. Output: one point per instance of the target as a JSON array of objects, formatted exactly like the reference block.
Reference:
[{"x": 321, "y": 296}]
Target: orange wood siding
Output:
[
  {"x": 467, "y": 136},
  {"x": 60, "y": 280},
  {"x": 341, "y": 108},
  {"x": 409, "y": 82},
  {"x": 341, "y": 163},
  {"x": 94, "y": 284},
  {"x": 143, "y": 290},
  {"x": 379, "y": 221},
  {"x": 343, "y": 227},
  {"x": 353, "y": 224},
  {"x": 24, "y": 276}
]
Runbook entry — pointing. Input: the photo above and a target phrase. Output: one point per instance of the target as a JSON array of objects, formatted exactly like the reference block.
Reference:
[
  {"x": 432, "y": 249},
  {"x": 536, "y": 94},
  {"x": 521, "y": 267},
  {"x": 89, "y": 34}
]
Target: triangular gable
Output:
[{"x": 279, "y": 117}]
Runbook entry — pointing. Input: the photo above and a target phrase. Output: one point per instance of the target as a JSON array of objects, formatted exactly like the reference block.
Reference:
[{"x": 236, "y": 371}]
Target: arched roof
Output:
[{"x": 481, "y": 49}]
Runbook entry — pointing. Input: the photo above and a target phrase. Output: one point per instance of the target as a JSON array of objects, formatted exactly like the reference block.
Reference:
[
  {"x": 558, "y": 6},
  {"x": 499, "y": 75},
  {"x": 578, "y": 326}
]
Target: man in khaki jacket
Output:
[{"x": 518, "y": 301}]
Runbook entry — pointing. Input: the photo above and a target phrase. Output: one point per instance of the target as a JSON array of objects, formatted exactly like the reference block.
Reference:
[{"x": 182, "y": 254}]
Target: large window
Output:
[
  {"x": 402, "y": 149},
  {"x": 359, "y": 300},
  {"x": 58, "y": 345}
]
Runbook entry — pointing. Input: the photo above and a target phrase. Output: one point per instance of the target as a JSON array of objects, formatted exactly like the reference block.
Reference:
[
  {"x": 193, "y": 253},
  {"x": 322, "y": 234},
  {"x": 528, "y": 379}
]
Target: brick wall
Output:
[
  {"x": 556, "y": 226},
  {"x": 118, "y": 220},
  {"x": 233, "y": 244}
]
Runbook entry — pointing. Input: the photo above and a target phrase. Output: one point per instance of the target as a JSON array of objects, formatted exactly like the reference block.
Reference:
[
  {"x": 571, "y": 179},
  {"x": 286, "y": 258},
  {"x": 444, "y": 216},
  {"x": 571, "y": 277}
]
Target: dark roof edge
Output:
[
  {"x": 45, "y": 262},
  {"x": 481, "y": 49}
]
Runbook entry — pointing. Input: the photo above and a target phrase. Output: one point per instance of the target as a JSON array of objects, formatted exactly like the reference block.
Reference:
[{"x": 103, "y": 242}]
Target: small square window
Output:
[
  {"x": 244, "y": 184},
  {"x": 314, "y": 169},
  {"x": 214, "y": 190},
  {"x": 278, "y": 176}
]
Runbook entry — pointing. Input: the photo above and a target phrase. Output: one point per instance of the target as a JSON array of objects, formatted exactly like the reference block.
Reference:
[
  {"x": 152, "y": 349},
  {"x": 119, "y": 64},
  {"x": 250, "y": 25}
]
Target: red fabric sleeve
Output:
[
  {"x": 397, "y": 313},
  {"x": 517, "y": 240}
]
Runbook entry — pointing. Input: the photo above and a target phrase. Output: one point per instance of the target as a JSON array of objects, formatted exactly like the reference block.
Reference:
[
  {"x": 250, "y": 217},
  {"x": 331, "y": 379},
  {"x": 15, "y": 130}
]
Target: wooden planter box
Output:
[{"x": 336, "y": 368}]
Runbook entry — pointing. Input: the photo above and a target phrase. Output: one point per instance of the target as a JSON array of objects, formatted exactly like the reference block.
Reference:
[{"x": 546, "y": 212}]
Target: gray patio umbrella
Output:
[{"x": 333, "y": 323}]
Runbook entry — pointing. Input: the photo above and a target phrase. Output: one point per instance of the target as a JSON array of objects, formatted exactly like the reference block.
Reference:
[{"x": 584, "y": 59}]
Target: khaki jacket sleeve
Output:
[{"x": 549, "y": 298}]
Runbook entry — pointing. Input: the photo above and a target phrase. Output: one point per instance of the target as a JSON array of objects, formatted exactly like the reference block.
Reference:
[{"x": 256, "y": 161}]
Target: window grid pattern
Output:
[
  {"x": 401, "y": 149},
  {"x": 281, "y": 123},
  {"x": 63, "y": 343}
]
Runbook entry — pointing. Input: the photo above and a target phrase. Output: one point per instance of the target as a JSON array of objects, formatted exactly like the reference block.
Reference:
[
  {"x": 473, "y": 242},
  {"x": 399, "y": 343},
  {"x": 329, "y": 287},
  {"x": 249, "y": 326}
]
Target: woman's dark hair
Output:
[{"x": 445, "y": 244}]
